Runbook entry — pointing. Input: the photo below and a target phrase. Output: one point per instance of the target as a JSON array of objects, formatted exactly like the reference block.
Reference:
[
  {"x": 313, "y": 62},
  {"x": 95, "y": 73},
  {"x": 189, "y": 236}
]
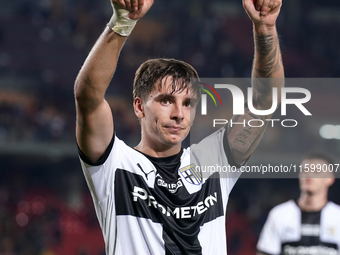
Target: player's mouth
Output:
[
  {"x": 308, "y": 181},
  {"x": 174, "y": 129}
]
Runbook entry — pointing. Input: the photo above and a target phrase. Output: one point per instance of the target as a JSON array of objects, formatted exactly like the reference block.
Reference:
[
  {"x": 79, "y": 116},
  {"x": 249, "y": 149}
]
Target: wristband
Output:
[{"x": 119, "y": 21}]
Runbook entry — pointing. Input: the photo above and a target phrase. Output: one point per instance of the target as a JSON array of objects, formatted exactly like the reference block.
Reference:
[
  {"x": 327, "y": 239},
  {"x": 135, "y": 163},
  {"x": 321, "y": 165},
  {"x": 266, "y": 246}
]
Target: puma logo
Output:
[{"x": 146, "y": 174}]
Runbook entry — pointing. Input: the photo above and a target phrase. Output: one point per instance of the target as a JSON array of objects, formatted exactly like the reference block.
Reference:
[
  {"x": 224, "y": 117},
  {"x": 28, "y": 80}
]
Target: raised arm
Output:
[
  {"x": 267, "y": 73},
  {"x": 94, "y": 129}
]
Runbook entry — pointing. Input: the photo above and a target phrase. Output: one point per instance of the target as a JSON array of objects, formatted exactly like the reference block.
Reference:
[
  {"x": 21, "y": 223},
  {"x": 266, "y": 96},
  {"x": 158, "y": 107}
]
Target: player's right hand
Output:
[{"x": 137, "y": 8}]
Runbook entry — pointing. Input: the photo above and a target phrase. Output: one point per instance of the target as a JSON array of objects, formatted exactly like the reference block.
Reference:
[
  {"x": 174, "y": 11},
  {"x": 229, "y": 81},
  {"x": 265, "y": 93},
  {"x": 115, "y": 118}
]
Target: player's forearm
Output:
[
  {"x": 268, "y": 69},
  {"x": 98, "y": 69},
  {"x": 267, "y": 60}
]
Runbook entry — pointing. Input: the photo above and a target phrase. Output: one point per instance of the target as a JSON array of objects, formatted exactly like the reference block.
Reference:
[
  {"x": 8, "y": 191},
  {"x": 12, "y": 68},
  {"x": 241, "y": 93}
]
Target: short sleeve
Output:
[
  {"x": 100, "y": 175},
  {"x": 211, "y": 156},
  {"x": 269, "y": 241}
]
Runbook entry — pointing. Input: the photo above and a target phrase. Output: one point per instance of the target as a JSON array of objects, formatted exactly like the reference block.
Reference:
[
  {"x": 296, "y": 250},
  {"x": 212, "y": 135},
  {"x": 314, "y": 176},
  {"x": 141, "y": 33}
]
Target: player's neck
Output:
[
  {"x": 310, "y": 202},
  {"x": 158, "y": 150}
]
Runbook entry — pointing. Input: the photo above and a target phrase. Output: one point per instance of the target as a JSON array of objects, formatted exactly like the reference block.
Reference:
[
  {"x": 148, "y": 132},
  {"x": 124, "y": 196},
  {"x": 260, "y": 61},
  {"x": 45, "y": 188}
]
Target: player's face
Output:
[
  {"x": 167, "y": 117},
  {"x": 314, "y": 182}
]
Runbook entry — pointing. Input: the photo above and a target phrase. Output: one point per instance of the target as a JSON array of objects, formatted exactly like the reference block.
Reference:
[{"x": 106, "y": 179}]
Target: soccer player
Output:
[
  {"x": 311, "y": 224},
  {"x": 151, "y": 199}
]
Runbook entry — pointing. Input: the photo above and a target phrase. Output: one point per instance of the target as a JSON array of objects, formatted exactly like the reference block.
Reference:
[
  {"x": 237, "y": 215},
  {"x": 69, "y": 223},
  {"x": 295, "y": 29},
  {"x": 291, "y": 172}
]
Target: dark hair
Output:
[
  {"x": 319, "y": 155},
  {"x": 153, "y": 71}
]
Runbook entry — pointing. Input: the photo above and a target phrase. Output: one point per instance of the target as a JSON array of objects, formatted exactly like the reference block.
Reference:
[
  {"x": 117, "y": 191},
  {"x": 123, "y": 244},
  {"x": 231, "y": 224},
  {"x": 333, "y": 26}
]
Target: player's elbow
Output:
[
  {"x": 79, "y": 91},
  {"x": 81, "y": 85},
  {"x": 85, "y": 94}
]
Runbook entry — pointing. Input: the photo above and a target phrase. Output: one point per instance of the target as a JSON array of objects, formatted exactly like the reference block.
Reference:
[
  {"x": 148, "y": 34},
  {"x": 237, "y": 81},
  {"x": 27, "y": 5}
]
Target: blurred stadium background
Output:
[{"x": 45, "y": 206}]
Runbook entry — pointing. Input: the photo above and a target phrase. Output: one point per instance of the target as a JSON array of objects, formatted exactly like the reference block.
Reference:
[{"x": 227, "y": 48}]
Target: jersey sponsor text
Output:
[
  {"x": 178, "y": 212},
  {"x": 309, "y": 250}
]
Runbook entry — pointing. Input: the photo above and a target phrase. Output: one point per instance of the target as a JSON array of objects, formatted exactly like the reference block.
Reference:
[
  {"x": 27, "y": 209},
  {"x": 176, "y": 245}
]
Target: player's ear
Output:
[
  {"x": 330, "y": 181},
  {"x": 138, "y": 107}
]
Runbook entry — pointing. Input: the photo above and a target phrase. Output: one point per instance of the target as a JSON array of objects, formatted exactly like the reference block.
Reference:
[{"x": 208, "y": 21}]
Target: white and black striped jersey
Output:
[
  {"x": 290, "y": 231},
  {"x": 148, "y": 205}
]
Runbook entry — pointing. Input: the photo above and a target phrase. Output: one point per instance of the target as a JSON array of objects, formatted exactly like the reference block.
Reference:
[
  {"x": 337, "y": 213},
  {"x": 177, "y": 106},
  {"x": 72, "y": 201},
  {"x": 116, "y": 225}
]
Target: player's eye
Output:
[
  {"x": 165, "y": 101},
  {"x": 187, "y": 104}
]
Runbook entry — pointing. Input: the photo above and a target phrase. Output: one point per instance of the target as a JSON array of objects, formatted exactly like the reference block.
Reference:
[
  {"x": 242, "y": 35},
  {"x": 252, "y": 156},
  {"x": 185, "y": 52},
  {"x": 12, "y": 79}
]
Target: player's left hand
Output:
[{"x": 263, "y": 12}]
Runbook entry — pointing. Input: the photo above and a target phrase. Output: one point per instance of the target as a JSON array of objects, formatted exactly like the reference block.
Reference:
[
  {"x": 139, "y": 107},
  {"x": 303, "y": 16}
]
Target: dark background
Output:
[{"x": 45, "y": 206}]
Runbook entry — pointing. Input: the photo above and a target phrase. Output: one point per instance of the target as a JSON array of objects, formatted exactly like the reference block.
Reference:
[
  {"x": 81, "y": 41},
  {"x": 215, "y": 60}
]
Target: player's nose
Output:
[{"x": 177, "y": 112}]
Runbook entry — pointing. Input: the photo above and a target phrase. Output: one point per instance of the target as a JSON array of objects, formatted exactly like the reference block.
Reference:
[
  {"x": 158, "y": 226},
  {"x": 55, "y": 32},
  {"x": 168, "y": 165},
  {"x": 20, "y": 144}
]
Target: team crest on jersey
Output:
[
  {"x": 191, "y": 174},
  {"x": 331, "y": 231}
]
